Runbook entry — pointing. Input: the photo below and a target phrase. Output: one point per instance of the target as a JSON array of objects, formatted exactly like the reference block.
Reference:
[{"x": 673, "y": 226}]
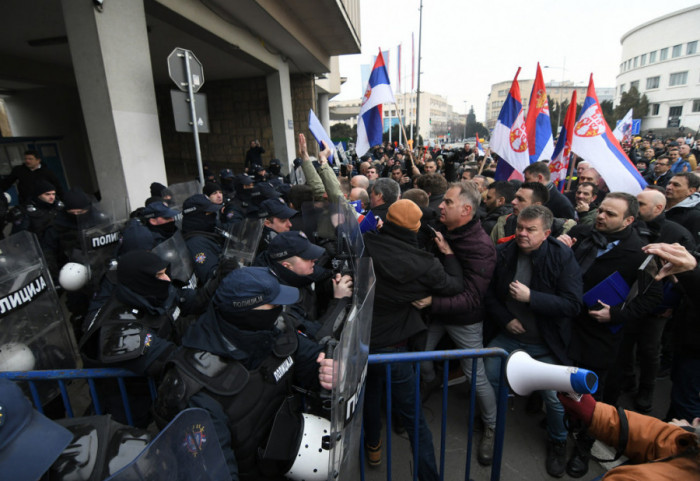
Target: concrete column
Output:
[
  {"x": 324, "y": 114},
  {"x": 112, "y": 66},
  {"x": 279, "y": 93}
]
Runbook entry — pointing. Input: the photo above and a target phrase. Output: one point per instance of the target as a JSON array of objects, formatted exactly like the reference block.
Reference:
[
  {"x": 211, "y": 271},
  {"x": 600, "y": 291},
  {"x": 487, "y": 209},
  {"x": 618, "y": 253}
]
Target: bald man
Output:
[
  {"x": 360, "y": 181},
  {"x": 358, "y": 193},
  {"x": 652, "y": 204}
]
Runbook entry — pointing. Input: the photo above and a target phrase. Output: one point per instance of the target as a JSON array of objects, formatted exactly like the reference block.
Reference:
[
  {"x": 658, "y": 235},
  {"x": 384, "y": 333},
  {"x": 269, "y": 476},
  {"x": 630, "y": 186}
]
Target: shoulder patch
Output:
[{"x": 200, "y": 258}]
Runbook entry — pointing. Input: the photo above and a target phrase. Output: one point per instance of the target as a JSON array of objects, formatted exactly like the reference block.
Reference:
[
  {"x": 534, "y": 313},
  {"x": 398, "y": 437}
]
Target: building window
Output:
[
  {"x": 636, "y": 62},
  {"x": 655, "y": 109},
  {"x": 635, "y": 85},
  {"x": 676, "y": 52},
  {"x": 664, "y": 54},
  {"x": 678, "y": 78},
  {"x": 653, "y": 82},
  {"x": 643, "y": 60},
  {"x": 691, "y": 48},
  {"x": 652, "y": 57},
  {"x": 675, "y": 111},
  {"x": 696, "y": 105},
  {"x": 622, "y": 88}
]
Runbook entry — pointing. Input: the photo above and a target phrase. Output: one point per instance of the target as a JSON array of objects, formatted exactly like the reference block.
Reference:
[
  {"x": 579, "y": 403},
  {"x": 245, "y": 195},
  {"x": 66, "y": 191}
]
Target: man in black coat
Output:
[
  {"x": 611, "y": 245},
  {"x": 404, "y": 273},
  {"x": 533, "y": 296},
  {"x": 557, "y": 203},
  {"x": 382, "y": 194},
  {"x": 27, "y": 175},
  {"x": 645, "y": 334},
  {"x": 683, "y": 202}
]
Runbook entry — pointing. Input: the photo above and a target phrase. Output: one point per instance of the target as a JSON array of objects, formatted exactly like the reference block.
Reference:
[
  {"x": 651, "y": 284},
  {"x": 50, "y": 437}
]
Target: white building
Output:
[{"x": 661, "y": 58}]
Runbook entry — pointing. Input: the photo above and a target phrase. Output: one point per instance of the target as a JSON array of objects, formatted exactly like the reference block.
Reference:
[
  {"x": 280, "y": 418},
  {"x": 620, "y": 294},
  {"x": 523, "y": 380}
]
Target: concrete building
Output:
[
  {"x": 557, "y": 91},
  {"x": 435, "y": 113},
  {"x": 661, "y": 59},
  {"x": 87, "y": 84}
]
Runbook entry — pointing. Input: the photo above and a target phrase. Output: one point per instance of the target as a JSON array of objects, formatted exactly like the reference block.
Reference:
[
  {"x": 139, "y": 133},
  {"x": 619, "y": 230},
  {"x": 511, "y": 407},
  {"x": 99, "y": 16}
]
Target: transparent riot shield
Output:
[
  {"x": 187, "y": 449},
  {"x": 181, "y": 192},
  {"x": 350, "y": 246},
  {"x": 242, "y": 241},
  {"x": 100, "y": 232},
  {"x": 174, "y": 250},
  {"x": 34, "y": 334},
  {"x": 351, "y": 354}
]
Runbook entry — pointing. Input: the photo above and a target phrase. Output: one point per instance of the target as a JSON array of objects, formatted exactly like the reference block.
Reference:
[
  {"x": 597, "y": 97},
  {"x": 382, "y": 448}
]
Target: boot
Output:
[
  {"x": 556, "y": 458},
  {"x": 578, "y": 463},
  {"x": 485, "y": 456}
]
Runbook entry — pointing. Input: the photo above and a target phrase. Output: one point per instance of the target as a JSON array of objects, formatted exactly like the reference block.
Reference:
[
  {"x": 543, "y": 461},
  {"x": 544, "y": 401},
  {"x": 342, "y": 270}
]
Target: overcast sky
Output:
[{"x": 469, "y": 45}]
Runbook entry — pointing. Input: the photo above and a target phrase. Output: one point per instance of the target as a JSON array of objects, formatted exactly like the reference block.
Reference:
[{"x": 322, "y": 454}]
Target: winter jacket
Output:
[
  {"x": 477, "y": 256},
  {"x": 594, "y": 344},
  {"x": 650, "y": 443},
  {"x": 555, "y": 291},
  {"x": 687, "y": 214},
  {"x": 404, "y": 274},
  {"x": 488, "y": 221}
]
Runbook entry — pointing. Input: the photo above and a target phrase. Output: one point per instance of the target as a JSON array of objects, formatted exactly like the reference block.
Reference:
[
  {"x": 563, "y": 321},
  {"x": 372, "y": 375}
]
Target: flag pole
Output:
[
  {"x": 572, "y": 161},
  {"x": 403, "y": 129}
]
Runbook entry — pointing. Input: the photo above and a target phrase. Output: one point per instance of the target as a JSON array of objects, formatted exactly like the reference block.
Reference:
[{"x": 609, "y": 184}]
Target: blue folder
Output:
[{"x": 612, "y": 290}]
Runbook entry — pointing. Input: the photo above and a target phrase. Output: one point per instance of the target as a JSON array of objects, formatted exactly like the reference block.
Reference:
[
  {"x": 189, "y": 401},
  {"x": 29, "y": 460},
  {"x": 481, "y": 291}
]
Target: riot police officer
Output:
[{"x": 238, "y": 361}]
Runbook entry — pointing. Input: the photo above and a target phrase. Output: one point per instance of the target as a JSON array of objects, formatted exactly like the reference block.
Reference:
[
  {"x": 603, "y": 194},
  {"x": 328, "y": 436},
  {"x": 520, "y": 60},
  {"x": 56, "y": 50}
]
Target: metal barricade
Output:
[
  {"x": 445, "y": 356},
  {"x": 61, "y": 377}
]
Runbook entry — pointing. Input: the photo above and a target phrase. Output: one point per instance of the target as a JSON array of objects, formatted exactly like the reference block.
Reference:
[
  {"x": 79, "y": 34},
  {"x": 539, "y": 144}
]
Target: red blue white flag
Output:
[
  {"x": 369, "y": 122},
  {"x": 562, "y": 152},
  {"x": 479, "y": 146},
  {"x": 509, "y": 137},
  {"x": 539, "y": 127},
  {"x": 594, "y": 141}
]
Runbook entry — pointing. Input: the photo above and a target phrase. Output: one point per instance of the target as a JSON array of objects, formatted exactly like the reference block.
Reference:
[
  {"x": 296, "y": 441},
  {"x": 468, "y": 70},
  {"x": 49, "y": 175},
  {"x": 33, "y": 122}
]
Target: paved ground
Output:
[{"x": 524, "y": 448}]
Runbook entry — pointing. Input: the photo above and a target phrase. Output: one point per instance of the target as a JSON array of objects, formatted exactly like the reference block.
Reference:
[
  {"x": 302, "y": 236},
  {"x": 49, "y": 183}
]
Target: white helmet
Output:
[
  {"x": 313, "y": 455},
  {"x": 73, "y": 276},
  {"x": 15, "y": 356}
]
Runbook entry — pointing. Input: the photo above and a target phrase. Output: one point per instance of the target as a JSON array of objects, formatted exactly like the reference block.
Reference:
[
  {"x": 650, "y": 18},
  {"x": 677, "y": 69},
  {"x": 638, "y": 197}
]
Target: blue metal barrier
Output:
[
  {"x": 445, "y": 356},
  {"x": 90, "y": 375},
  {"x": 63, "y": 375}
]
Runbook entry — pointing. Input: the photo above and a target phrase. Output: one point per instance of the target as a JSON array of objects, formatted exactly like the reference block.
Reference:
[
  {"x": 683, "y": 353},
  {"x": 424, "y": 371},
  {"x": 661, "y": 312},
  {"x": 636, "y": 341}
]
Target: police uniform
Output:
[
  {"x": 239, "y": 364},
  {"x": 199, "y": 224}
]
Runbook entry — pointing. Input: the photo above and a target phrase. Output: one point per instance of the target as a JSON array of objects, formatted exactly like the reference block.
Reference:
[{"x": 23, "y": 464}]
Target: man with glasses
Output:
[{"x": 660, "y": 172}]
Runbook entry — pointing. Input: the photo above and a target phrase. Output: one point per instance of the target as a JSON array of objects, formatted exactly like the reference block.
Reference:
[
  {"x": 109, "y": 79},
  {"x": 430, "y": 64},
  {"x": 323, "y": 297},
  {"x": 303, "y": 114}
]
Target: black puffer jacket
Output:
[{"x": 405, "y": 274}]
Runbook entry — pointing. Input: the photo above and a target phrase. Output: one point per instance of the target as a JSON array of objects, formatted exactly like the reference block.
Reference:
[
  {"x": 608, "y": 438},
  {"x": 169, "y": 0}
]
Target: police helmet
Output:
[
  {"x": 15, "y": 356},
  {"x": 313, "y": 455},
  {"x": 73, "y": 276}
]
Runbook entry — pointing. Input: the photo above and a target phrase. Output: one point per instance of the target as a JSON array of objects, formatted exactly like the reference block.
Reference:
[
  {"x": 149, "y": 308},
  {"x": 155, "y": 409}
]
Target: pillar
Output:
[{"x": 279, "y": 95}]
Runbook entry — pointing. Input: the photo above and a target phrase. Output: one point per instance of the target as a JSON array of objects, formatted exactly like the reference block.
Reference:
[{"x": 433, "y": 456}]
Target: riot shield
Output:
[
  {"x": 34, "y": 334},
  {"x": 186, "y": 450},
  {"x": 350, "y": 246},
  {"x": 181, "y": 192},
  {"x": 242, "y": 241},
  {"x": 347, "y": 396},
  {"x": 174, "y": 250},
  {"x": 100, "y": 231}
]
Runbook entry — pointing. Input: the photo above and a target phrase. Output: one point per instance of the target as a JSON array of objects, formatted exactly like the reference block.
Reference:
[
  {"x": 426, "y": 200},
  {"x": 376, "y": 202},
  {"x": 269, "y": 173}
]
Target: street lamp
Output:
[{"x": 561, "y": 91}]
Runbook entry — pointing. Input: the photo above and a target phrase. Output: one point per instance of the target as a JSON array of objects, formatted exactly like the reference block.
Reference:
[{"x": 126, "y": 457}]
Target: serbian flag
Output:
[
  {"x": 479, "y": 147},
  {"x": 369, "y": 122},
  {"x": 539, "y": 128},
  {"x": 594, "y": 141},
  {"x": 509, "y": 136},
  {"x": 623, "y": 130},
  {"x": 562, "y": 153}
]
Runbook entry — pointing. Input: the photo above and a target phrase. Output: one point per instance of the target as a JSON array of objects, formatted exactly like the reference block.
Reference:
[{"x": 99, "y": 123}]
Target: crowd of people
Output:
[{"x": 460, "y": 259}]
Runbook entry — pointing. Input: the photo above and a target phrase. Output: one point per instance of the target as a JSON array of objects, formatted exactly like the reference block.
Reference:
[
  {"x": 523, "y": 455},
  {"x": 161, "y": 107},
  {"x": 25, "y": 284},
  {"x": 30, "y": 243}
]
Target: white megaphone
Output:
[{"x": 526, "y": 375}]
